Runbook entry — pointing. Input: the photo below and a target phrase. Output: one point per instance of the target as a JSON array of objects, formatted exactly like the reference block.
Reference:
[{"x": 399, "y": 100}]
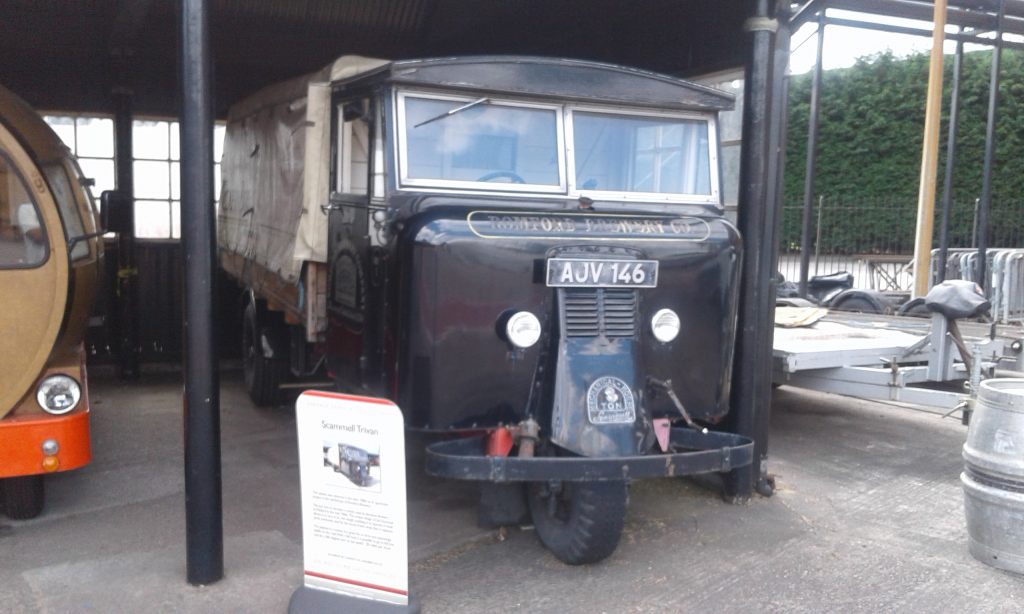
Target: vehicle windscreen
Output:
[
  {"x": 459, "y": 141},
  {"x": 60, "y": 184},
  {"x": 627, "y": 153},
  {"x": 481, "y": 143},
  {"x": 354, "y": 455},
  {"x": 23, "y": 241}
]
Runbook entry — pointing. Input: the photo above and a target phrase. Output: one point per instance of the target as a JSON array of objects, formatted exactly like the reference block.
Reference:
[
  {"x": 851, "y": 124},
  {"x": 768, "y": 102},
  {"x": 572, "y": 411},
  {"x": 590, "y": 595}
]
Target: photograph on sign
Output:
[{"x": 358, "y": 464}]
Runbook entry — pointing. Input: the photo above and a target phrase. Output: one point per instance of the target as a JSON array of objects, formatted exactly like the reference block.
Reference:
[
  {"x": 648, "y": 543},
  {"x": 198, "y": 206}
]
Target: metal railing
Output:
[{"x": 874, "y": 238}]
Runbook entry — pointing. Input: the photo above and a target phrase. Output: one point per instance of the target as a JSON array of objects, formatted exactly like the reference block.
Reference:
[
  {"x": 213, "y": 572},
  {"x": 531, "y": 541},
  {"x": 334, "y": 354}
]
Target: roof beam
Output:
[
  {"x": 894, "y": 29},
  {"x": 920, "y": 10},
  {"x": 806, "y": 12}
]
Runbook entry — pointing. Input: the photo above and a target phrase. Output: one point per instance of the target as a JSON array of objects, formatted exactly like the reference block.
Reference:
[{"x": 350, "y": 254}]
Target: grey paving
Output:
[{"x": 868, "y": 517}]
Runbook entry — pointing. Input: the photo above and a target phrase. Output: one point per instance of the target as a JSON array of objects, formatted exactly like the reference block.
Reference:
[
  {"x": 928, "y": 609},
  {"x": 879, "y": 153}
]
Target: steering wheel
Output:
[{"x": 502, "y": 174}]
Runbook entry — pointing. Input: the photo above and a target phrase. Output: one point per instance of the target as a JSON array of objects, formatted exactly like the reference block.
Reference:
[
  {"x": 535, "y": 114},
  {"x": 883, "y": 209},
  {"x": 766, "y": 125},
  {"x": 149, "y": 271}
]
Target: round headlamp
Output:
[
  {"x": 58, "y": 394},
  {"x": 523, "y": 329},
  {"x": 665, "y": 325}
]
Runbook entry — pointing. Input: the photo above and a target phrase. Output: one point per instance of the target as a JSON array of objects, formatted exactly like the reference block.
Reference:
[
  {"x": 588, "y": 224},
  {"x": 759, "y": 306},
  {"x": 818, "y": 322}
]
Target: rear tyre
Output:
[
  {"x": 23, "y": 496},
  {"x": 579, "y": 522},
  {"x": 263, "y": 375},
  {"x": 915, "y": 308},
  {"x": 861, "y": 301}
]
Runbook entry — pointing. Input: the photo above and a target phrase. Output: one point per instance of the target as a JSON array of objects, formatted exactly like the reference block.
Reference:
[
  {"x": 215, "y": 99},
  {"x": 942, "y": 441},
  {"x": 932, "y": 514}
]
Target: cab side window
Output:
[
  {"x": 22, "y": 234},
  {"x": 353, "y": 148}
]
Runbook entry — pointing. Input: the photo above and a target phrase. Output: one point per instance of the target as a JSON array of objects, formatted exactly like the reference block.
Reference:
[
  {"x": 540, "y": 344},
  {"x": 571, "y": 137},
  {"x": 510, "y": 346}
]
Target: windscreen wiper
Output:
[{"x": 452, "y": 112}]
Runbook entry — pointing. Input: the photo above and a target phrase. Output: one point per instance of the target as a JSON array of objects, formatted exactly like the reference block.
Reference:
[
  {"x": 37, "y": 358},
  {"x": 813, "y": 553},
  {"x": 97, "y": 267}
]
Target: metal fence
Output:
[
  {"x": 1004, "y": 280},
  {"x": 874, "y": 238}
]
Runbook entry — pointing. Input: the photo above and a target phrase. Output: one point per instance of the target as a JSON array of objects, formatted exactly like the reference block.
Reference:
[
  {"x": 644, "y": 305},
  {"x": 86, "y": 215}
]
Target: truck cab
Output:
[
  {"x": 50, "y": 254},
  {"x": 528, "y": 252}
]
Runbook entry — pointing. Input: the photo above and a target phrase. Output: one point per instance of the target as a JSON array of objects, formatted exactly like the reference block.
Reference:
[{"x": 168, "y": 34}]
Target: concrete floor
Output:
[{"x": 868, "y": 517}]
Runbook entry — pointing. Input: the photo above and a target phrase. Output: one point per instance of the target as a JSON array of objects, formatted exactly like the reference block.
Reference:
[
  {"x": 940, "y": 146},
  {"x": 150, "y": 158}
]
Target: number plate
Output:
[{"x": 584, "y": 273}]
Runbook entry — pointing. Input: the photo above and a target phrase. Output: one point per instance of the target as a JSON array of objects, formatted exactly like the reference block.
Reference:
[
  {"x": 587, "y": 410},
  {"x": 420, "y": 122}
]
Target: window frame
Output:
[
  {"x": 668, "y": 197},
  {"x": 13, "y": 169},
  {"x": 402, "y": 152},
  {"x": 68, "y": 209},
  {"x": 566, "y": 153}
]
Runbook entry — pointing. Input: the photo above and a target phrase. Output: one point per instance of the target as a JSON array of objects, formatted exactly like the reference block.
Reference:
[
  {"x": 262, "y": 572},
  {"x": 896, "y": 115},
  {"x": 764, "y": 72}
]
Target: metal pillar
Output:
[
  {"x": 203, "y": 513},
  {"x": 990, "y": 149},
  {"x": 764, "y": 483},
  {"x": 126, "y": 318},
  {"x": 812, "y": 159},
  {"x": 751, "y": 390},
  {"x": 947, "y": 186}
]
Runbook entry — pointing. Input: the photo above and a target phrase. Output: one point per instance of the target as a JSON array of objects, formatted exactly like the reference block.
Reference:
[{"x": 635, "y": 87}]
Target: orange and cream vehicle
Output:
[{"x": 50, "y": 256}]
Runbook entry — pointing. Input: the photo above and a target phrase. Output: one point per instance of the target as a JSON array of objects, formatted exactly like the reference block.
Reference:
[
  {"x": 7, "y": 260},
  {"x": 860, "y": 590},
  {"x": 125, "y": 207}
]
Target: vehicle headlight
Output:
[
  {"x": 523, "y": 329},
  {"x": 665, "y": 325},
  {"x": 58, "y": 394}
]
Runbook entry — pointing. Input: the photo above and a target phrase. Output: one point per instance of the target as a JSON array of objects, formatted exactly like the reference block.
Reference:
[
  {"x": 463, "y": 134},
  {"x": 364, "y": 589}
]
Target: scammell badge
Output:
[{"x": 610, "y": 401}]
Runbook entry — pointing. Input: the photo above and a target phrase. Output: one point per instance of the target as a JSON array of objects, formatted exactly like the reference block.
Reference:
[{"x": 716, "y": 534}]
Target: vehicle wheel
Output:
[
  {"x": 915, "y": 308},
  {"x": 23, "y": 496},
  {"x": 262, "y": 375},
  {"x": 579, "y": 522},
  {"x": 861, "y": 301}
]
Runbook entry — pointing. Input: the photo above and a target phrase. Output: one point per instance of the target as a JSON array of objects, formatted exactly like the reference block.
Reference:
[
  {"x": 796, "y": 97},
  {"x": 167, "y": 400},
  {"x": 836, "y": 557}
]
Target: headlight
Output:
[
  {"x": 523, "y": 329},
  {"x": 58, "y": 394},
  {"x": 665, "y": 325}
]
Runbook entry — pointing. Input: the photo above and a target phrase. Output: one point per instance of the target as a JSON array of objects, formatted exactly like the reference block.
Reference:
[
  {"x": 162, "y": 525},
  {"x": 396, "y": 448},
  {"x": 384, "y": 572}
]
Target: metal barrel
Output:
[{"x": 993, "y": 476}]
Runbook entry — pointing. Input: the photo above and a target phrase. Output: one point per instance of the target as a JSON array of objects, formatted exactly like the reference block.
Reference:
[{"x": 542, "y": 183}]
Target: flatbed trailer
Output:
[{"x": 909, "y": 360}]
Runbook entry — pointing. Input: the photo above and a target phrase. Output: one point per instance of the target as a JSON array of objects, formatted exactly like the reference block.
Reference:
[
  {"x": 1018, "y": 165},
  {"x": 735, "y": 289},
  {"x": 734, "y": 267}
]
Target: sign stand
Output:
[
  {"x": 306, "y": 600},
  {"x": 354, "y": 524}
]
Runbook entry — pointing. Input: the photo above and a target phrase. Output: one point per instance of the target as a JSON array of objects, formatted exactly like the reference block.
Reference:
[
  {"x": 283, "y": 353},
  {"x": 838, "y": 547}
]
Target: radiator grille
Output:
[{"x": 590, "y": 312}]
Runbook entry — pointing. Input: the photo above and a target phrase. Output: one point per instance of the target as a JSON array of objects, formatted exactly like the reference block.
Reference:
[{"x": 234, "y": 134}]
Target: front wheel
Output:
[
  {"x": 579, "y": 522},
  {"x": 22, "y": 496}
]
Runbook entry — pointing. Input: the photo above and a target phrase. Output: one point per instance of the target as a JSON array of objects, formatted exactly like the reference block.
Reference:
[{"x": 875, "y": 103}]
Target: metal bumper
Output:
[{"x": 694, "y": 452}]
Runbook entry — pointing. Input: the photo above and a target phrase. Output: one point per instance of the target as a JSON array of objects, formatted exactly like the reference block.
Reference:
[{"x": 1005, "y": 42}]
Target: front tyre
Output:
[
  {"x": 22, "y": 496},
  {"x": 579, "y": 522}
]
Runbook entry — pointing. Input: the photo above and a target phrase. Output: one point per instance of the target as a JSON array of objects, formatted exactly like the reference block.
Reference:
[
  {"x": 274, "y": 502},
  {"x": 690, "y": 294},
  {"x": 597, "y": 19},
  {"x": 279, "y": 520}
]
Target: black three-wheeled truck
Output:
[{"x": 526, "y": 252}]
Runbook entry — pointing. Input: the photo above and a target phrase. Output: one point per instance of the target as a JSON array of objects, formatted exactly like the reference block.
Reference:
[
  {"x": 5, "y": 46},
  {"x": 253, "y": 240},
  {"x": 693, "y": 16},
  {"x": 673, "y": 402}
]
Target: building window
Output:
[
  {"x": 155, "y": 165},
  {"x": 91, "y": 139}
]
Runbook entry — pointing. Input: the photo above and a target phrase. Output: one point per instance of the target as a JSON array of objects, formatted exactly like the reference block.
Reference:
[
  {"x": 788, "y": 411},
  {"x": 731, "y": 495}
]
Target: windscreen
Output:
[
  {"x": 22, "y": 235},
  {"x": 634, "y": 153},
  {"x": 481, "y": 141},
  {"x": 64, "y": 196}
]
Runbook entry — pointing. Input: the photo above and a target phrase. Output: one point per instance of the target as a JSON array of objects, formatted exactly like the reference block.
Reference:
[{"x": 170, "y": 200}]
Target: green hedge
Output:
[{"x": 869, "y": 151}]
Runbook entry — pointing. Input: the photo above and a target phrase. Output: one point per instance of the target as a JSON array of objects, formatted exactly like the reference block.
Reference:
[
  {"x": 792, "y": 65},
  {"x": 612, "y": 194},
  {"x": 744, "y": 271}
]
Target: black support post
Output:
[
  {"x": 947, "y": 185},
  {"x": 812, "y": 159},
  {"x": 751, "y": 390},
  {"x": 126, "y": 316},
  {"x": 990, "y": 148},
  {"x": 203, "y": 514}
]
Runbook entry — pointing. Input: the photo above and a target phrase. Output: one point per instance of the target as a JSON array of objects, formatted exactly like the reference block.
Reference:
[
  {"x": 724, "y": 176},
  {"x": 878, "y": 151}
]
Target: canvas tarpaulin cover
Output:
[{"x": 276, "y": 171}]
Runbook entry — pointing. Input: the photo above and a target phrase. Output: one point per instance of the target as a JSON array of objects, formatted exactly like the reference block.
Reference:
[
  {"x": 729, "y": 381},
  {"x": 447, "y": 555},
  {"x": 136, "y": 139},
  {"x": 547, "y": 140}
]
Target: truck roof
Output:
[
  {"x": 562, "y": 79},
  {"x": 554, "y": 78}
]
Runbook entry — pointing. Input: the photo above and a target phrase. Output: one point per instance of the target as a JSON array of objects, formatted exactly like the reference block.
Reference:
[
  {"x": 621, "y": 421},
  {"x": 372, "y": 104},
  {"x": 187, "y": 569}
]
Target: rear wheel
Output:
[
  {"x": 23, "y": 496},
  {"x": 579, "y": 522},
  {"x": 915, "y": 308},
  {"x": 861, "y": 301},
  {"x": 263, "y": 375}
]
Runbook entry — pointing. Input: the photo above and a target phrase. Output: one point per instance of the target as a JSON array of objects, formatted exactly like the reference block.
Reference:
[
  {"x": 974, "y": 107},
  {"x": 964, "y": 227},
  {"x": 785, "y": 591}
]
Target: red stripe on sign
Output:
[
  {"x": 356, "y": 583},
  {"x": 346, "y": 397}
]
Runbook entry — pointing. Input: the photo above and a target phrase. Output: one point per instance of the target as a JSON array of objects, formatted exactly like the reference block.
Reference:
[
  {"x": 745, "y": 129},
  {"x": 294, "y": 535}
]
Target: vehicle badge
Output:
[{"x": 610, "y": 401}]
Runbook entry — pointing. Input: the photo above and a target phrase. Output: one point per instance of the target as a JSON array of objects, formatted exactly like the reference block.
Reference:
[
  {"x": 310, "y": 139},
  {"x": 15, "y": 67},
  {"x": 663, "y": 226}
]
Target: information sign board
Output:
[{"x": 352, "y": 468}]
